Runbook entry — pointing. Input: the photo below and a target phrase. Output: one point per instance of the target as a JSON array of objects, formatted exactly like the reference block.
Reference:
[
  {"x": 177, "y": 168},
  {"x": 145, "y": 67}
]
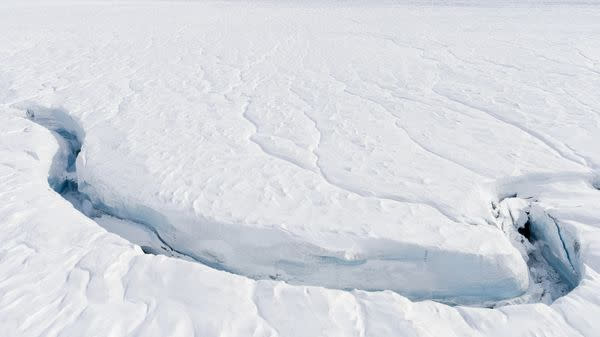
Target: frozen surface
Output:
[{"x": 402, "y": 149}]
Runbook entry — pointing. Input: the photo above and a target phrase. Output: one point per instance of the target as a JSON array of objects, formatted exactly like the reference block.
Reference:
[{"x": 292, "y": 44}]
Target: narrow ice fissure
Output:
[
  {"x": 546, "y": 284},
  {"x": 562, "y": 241},
  {"x": 65, "y": 183}
]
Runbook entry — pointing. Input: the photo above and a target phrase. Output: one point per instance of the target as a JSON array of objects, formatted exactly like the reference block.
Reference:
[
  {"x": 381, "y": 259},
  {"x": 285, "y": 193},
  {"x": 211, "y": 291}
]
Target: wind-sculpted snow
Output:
[{"x": 304, "y": 147}]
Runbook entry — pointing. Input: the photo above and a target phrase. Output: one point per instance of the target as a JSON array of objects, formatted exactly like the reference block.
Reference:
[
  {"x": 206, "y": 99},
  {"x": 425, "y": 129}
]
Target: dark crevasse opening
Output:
[
  {"x": 526, "y": 230},
  {"x": 551, "y": 254}
]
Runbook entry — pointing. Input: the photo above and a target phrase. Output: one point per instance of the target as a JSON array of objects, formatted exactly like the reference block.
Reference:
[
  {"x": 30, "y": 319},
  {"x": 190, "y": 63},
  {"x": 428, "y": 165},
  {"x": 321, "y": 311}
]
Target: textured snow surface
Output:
[{"x": 299, "y": 150}]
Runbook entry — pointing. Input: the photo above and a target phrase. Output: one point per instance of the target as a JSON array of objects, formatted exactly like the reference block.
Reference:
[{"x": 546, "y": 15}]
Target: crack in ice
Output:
[{"x": 65, "y": 130}]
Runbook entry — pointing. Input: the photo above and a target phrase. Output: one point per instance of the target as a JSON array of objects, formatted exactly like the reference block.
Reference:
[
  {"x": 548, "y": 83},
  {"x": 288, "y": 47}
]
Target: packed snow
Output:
[{"x": 299, "y": 169}]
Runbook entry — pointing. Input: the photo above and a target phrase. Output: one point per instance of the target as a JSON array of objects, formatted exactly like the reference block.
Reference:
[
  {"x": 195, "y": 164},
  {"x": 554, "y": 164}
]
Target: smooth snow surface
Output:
[{"x": 299, "y": 151}]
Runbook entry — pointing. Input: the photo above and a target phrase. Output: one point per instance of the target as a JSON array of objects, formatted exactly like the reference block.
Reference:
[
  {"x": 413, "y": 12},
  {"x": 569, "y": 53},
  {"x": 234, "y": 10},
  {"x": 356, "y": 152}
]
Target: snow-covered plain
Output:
[{"x": 310, "y": 169}]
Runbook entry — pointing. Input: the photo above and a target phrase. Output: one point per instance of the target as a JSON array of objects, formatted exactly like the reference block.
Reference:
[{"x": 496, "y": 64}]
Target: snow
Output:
[{"x": 308, "y": 169}]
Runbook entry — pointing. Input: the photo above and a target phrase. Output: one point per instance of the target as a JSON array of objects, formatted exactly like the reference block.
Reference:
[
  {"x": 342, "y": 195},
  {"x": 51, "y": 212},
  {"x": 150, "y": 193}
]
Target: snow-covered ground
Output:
[{"x": 299, "y": 169}]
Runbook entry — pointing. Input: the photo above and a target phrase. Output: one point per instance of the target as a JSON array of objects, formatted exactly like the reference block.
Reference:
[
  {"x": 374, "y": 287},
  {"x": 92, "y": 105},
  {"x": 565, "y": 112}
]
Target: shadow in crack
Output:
[{"x": 552, "y": 255}]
